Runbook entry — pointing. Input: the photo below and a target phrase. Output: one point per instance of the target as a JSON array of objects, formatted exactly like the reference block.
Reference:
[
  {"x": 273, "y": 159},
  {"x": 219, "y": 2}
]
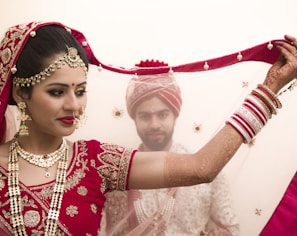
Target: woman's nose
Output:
[{"x": 71, "y": 103}]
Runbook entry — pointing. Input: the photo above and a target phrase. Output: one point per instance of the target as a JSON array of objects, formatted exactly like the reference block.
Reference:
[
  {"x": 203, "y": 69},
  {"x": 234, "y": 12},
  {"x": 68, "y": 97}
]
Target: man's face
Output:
[{"x": 155, "y": 123}]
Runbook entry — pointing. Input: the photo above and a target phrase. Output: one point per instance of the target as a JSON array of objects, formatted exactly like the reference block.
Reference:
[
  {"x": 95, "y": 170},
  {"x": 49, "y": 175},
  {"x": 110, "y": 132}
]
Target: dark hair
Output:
[{"x": 50, "y": 40}]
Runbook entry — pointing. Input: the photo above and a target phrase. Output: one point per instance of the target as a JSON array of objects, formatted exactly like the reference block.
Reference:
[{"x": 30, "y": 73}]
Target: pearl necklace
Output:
[
  {"x": 160, "y": 218},
  {"x": 44, "y": 161},
  {"x": 15, "y": 199}
]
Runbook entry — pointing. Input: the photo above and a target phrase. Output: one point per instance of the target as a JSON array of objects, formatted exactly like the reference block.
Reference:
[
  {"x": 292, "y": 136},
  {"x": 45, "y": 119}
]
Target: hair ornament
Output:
[
  {"x": 33, "y": 34},
  {"x": 13, "y": 70},
  {"x": 68, "y": 30},
  {"x": 71, "y": 58}
]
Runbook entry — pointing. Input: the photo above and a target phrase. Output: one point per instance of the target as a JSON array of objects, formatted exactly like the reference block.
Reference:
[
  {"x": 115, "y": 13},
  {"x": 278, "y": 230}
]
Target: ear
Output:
[{"x": 17, "y": 94}]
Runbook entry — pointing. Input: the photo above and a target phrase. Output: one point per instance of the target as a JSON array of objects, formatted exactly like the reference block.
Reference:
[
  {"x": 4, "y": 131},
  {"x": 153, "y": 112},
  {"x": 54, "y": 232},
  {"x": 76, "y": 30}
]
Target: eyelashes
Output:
[
  {"x": 55, "y": 92},
  {"x": 61, "y": 92}
]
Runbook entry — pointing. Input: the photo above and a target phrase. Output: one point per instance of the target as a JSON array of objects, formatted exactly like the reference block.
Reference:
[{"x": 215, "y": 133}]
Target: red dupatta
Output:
[{"x": 284, "y": 219}]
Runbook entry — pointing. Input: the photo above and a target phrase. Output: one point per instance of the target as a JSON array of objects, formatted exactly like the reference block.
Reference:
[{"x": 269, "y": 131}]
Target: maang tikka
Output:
[{"x": 23, "y": 117}]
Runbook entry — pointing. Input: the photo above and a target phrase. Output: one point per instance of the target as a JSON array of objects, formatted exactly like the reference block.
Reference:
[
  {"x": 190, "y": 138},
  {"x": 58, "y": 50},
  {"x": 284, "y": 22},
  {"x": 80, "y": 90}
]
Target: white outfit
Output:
[{"x": 204, "y": 209}]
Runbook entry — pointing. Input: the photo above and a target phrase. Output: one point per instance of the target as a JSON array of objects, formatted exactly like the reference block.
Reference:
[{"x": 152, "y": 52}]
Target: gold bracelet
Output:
[{"x": 273, "y": 95}]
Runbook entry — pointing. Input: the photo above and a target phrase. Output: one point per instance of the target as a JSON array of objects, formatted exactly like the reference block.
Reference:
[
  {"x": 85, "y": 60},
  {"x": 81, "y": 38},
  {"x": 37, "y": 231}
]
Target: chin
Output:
[{"x": 68, "y": 132}]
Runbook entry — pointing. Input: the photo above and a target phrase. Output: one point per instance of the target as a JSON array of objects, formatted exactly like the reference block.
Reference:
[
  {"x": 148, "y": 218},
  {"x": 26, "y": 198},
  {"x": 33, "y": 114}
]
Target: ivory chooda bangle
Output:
[
  {"x": 272, "y": 95},
  {"x": 253, "y": 114}
]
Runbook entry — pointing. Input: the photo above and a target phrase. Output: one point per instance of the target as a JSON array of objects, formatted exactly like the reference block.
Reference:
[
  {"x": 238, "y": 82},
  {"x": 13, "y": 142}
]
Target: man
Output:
[{"x": 154, "y": 103}]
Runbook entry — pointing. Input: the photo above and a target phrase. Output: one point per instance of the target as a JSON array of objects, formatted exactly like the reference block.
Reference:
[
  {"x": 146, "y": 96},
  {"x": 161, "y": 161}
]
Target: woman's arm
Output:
[{"x": 164, "y": 169}]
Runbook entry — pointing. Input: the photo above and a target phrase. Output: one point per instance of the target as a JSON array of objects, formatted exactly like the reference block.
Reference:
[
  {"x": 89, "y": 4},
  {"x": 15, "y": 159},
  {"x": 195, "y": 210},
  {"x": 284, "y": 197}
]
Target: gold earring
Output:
[{"x": 23, "y": 117}]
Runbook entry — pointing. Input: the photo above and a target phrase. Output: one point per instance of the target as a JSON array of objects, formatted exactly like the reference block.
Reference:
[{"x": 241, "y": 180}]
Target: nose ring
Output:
[{"x": 80, "y": 118}]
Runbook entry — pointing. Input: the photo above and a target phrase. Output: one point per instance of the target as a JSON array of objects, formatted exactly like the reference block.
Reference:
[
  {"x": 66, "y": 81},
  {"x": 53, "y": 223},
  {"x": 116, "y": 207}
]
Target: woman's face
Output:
[{"x": 55, "y": 100}]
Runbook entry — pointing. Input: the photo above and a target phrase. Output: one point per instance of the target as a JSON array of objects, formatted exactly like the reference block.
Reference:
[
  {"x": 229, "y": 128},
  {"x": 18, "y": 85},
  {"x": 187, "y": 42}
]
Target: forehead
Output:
[
  {"x": 152, "y": 105},
  {"x": 66, "y": 75}
]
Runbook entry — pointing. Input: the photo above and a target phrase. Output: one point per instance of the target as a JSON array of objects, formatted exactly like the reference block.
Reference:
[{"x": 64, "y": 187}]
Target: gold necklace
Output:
[
  {"x": 15, "y": 199},
  {"x": 44, "y": 161}
]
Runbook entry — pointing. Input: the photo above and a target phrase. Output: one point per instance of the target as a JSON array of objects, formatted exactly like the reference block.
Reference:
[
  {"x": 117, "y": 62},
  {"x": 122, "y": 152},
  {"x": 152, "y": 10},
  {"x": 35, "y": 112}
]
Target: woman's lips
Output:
[{"x": 69, "y": 120}]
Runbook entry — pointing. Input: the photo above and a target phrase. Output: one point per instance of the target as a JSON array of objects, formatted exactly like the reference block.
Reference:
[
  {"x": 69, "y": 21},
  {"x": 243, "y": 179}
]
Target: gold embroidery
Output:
[
  {"x": 94, "y": 208},
  {"x": 114, "y": 170},
  {"x": 28, "y": 202},
  {"x": 2, "y": 181},
  {"x": 6, "y": 55},
  {"x": 73, "y": 180},
  {"x": 31, "y": 218},
  {"x": 82, "y": 190},
  {"x": 13, "y": 40},
  {"x": 124, "y": 168},
  {"x": 115, "y": 162},
  {"x": 2, "y": 184},
  {"x": 44, "y": 194},
  {"x": 71, "y": 210}
]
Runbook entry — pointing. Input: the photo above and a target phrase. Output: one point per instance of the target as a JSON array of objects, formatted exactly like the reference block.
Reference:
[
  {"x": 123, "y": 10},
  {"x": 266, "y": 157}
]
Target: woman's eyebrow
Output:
[{"x": 66, "y": 85}]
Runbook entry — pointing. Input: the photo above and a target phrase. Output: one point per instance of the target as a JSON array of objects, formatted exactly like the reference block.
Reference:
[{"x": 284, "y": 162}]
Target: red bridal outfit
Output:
[{"x": 95, "y": 169}]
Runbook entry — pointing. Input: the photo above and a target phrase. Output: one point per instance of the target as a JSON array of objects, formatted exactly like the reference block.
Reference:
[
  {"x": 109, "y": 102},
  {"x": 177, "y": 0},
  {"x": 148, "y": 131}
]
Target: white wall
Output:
[{"x": 124, "y": 32}]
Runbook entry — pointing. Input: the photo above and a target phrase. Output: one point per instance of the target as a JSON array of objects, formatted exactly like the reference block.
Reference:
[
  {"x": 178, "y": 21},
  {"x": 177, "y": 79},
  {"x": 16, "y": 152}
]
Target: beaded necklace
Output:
[
  {"x": 17, "y": 219},
  {"x": 160, "y": 218},
  {"x": 44, "y": 161}
]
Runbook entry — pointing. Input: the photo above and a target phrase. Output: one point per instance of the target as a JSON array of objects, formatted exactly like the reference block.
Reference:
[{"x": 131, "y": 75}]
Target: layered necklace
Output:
[
  {"x": 162, "y": 215},
  {"x": 159, "y": 218},
  {"x": 17, "y": 220},
  {"x": 44, "y": 161}
]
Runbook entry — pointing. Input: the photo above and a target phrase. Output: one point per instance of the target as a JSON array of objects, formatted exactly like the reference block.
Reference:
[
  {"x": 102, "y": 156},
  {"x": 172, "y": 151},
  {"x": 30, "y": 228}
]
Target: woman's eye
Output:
[
  {"x": 80, "y": 92},
  {"x": 56, "y": 92}
]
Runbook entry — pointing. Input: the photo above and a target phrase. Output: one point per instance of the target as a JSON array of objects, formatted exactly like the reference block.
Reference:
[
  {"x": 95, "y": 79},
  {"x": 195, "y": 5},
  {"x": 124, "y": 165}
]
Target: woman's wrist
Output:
[{"x": 254, "y": 113}]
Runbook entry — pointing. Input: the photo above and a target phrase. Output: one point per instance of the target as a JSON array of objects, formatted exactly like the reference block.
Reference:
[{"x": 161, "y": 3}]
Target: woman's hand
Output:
[{"x": 284, "y": 69}]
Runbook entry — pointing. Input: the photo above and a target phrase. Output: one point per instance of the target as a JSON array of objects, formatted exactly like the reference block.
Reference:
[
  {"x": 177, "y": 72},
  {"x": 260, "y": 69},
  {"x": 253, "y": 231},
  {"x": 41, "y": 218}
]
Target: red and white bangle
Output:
[
  {"x": 265, "y": 99},
  {"x": 259, "y": 105},
  {"x": 271, "y": 94},
  {"x": 254, "y": 109},
  {"x": 250, "y": 117},
  {"x": 240, "y": 129},
  {"x": 254, "y": 113}
]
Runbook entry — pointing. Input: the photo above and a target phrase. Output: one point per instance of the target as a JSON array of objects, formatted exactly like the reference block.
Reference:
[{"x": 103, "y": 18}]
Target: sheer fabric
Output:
[
  {"x": 210, "y": 95},
  {"x": 209, "y": 98},
  {"x": 195, "y": 210}
]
